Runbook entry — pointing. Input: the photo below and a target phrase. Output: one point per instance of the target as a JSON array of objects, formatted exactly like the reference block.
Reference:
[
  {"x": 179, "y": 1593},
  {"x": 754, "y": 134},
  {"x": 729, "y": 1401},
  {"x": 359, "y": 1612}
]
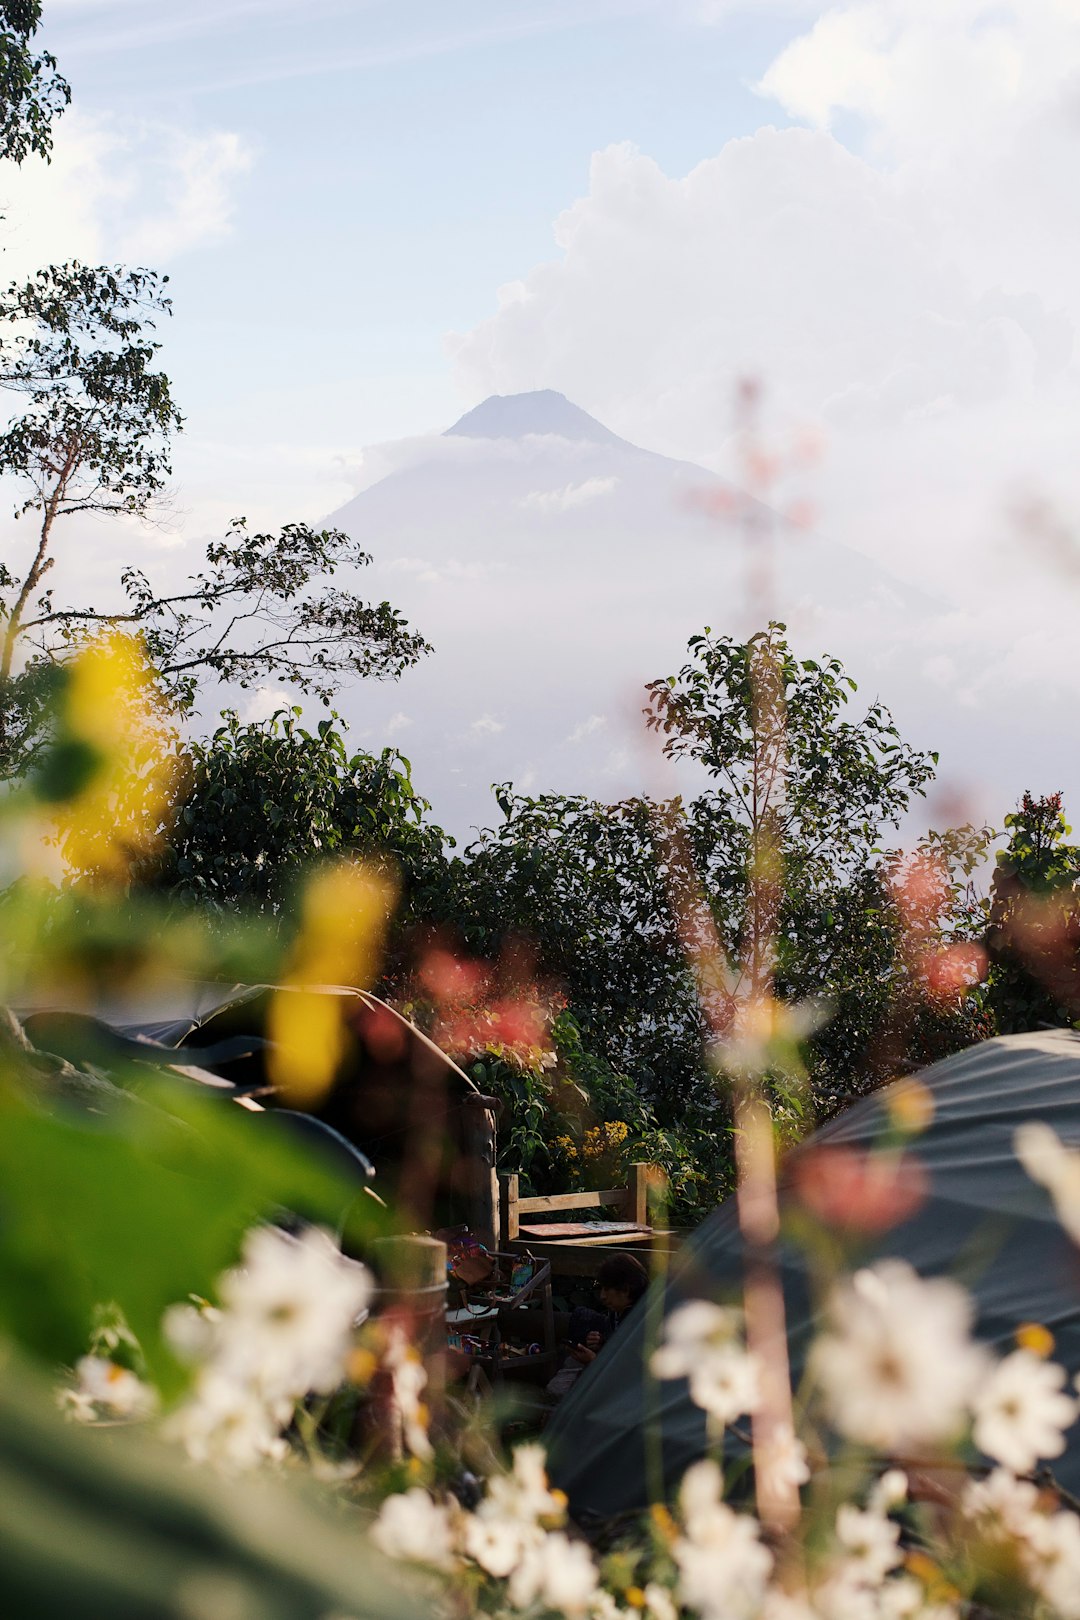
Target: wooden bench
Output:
[{"x": 629, "y": 1202}]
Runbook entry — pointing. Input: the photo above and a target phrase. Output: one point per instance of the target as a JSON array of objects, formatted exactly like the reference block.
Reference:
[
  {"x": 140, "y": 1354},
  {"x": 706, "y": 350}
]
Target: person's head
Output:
[{"x": 620, "y": 1281}]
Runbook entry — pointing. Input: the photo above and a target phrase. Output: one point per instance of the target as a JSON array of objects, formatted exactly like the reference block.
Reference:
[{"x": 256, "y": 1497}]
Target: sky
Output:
[{"x": 376, "y": 214}]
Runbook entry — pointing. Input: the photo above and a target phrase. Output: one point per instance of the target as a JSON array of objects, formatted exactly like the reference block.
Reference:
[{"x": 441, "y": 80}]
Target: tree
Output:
[
  {"x": 32, "y": 91},
  {"x": 262, "y": 801},
  {"x": 781, "y": 855},
  {"x": 591, "y": 887},
  {"x": 93, "y": 436},
  {"x": 1033, "y": 922},
  {"x": 93, "y": 433},
  {"x": 799, "y": 789}
]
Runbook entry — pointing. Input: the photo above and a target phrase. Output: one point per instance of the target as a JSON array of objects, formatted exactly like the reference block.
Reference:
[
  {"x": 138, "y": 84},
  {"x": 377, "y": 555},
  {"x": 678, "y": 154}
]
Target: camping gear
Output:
[
  {"x": 396, "y": 1100},
  {"x": 982, "y": 1219}
]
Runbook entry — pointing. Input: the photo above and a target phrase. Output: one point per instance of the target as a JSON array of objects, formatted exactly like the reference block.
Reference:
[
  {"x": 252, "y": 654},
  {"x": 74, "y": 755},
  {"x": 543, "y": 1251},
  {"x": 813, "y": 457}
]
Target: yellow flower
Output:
[
  {"x": 345, "y": 911},
  {"x": 911, "y": 1107},
  {"x": 1036, "y": 1338},
  {"x": 116, "y": 733}
]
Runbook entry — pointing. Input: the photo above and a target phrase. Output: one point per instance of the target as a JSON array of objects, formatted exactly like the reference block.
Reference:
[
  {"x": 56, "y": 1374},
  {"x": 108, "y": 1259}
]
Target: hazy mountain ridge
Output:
[{"x": 556, "y": 568}]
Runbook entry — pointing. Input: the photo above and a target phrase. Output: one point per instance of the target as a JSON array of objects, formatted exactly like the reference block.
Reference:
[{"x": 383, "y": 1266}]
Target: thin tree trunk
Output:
[{"x": 38, "y": 568}]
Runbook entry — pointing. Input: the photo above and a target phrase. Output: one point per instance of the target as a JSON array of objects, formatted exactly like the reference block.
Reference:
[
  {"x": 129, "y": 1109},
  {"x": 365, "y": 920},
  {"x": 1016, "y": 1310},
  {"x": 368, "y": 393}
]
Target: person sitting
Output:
[{"x": 620, "y": 1283}]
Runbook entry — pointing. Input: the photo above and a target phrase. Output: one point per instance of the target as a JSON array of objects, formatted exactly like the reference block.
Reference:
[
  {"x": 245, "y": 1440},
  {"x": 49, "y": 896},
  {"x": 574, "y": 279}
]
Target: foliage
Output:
[
  {"x": 581, "y": 1123},
  {"x": 590, "y": 886},
  {"x": 261, "y": 610},
  {"x": 1033, "y": 922},
  {"x": 624, "y": 903},
  {"x": 139, "y": 1523},
  {"x": 141, "y": 1201},
  {"x": 92, "y": 436},
  {"x": 32, "y": 92},
  {"x": 93, "y": 431},
  {"x": 262, "y": 800},
  {"x": 800, "y": 795}
]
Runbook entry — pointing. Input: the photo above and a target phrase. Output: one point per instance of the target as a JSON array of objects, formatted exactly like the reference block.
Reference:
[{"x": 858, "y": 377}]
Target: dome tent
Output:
[{"x": 983, "y": 1220}]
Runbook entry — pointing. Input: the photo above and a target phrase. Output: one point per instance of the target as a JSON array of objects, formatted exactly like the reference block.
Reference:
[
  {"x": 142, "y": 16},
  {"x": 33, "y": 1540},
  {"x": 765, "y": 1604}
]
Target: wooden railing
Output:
[{"x": 630, "y": 1201}]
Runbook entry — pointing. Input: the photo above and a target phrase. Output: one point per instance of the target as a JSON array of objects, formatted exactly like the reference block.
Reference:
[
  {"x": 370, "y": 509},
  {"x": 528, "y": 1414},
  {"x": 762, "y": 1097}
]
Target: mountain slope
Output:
[
  {"x": 557, "y": 568},
  {"x": 513, "y": 416}
]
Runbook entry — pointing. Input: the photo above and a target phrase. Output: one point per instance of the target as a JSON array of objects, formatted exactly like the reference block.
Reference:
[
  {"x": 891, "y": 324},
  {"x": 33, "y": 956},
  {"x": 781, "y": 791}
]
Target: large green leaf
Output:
[
  {"x": 110, "y": 1525},
  {"x": 140, "y": 1202}
]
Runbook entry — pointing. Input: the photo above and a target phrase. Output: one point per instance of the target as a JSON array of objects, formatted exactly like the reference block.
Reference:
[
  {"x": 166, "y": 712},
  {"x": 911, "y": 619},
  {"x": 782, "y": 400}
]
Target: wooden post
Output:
[
  {"x": 549, "y": 1323},
  {"x": 480, "y": 1177},
  {"x": 509, "y": 1224},
  {"x": 411, "y": 1275},
  {"x": 410, "y": 1297},
  {"x": 637, "y": 1204}
]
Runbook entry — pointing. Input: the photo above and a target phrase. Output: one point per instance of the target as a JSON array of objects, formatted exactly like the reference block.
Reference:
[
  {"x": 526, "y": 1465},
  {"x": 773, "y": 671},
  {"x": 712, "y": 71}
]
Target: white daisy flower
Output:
[
  {"x": 723, "y": 1567},
  {"x": 898, "y": 1367},
  {"x": 415, "y": 1528},
  {"x": 107, "y": 1390},
  {"x": 556, "y": 1573},
  {"x": 1002, "y": 1504},
  {"x": 524, "y": 1493},
  {"x": 497, "y": 1542},
  {"x": 290, "y": 1310},
  {"x": 1054, "y": 1166},
  {"x": 230, "y": 1423},
  {"x": 868, "y": 1545},
  {"x": 659, "y": 1603},
  {"x": 1022, "y": 1410},
  {"x": 1052, "y": 1561},
  {"x": 702, "y": 1344}
]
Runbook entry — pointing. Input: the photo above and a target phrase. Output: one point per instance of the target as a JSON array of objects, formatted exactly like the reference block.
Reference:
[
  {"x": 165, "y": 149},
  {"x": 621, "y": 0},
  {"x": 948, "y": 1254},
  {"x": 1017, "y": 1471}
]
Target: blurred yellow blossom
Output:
[
  {"x": 345, "y": 911},
  {"x": 110, "y": 776},
  {"x": 1036, "y": 1338},
  {"x": 911, "y": 1107}
]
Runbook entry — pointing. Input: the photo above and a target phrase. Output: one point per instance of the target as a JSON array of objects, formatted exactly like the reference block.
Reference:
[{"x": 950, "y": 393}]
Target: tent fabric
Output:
[{"x": 621, "y": 1437}]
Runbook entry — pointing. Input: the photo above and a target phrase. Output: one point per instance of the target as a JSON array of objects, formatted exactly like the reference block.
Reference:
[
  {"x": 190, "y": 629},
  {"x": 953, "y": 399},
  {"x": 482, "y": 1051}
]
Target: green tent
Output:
[{"x": 619, "y": 1432}]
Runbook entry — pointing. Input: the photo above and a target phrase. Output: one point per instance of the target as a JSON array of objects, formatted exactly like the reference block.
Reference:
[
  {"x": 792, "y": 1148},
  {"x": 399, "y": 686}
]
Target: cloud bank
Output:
[{"x": 918, "y": 279}]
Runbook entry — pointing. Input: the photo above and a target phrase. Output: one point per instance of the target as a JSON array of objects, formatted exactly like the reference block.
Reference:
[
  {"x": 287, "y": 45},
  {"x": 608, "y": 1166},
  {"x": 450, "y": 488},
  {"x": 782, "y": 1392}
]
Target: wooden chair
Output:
[{"x": 631, "y": 1203}]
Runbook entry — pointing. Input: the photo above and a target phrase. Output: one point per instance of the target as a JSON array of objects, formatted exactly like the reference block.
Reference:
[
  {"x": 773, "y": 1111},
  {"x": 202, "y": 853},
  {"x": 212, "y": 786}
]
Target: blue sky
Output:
[
  {"x": 407, "y": 160},
  {"x": 376, "y": 214}
]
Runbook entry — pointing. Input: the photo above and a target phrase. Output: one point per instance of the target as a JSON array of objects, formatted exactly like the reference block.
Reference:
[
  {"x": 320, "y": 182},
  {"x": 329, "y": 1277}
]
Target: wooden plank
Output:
[
  {"x": 637, "y": 1203},
  {"x": 579, "y": 1200},
  {"x": 573, "y": 1259},
  {"x": 579, "y": 1229},
  {"x": 509, "y": 1206},
  {"x": 605, "y": 1239},
  {"x": 479, "y": 1116}
]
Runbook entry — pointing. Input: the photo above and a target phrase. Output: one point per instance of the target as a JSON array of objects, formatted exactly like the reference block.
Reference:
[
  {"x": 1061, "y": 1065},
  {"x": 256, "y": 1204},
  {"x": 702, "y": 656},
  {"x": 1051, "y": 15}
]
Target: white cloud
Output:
[
  {"x": 398, "y": 722},
  {"x": 562, "y": 500},
  {"x": 265, "y": 701},
  {"x": 378, "y": 461},
  {"x": 486, "y": 726},
  {"x": 198, "y": 175},
  {"x": 916, "y": 290},
  {"x": 587, "y": 728},
  {"x": 785, "y": 256},
  {"x": 120, "y": 190}
]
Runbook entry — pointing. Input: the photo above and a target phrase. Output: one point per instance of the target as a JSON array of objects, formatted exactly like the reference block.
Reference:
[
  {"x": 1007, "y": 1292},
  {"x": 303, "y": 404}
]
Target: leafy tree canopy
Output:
[
  {"x": 263, "y": 800},
  {"x": 78, "y": 350},
  {"x": 32, "y": 91},
  {"x": 781, "y": 854},
  {"x": 1033, "y": 922}
]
